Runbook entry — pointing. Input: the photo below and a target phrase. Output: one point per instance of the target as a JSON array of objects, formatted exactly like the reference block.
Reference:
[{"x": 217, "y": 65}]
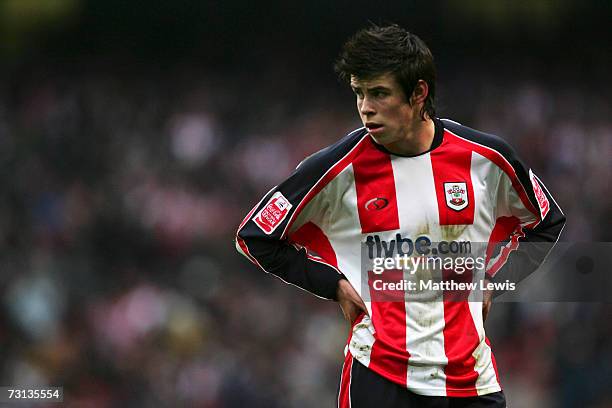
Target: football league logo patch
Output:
[
  {"x": 456, "y": 195},
  {"x": 273, "y": 213}
]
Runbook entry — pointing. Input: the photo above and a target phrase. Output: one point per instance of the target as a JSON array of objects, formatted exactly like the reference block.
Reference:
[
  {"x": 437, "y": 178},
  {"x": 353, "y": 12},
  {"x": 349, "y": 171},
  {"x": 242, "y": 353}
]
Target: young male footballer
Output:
[{"x": 410, "y": 183}]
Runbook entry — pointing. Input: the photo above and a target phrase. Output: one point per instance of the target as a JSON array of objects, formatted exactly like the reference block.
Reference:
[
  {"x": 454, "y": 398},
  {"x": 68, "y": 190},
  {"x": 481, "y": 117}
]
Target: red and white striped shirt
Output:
[{"x": 310, "y": 230}]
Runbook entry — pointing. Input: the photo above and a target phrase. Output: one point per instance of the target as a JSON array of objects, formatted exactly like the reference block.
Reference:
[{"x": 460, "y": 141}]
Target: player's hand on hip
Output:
[{"x": 350, "y": 302}]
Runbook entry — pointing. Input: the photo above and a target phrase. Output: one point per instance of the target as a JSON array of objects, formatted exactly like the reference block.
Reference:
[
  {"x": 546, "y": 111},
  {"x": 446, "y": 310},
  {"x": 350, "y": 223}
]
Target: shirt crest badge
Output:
[{"x": 456, "y": 195}]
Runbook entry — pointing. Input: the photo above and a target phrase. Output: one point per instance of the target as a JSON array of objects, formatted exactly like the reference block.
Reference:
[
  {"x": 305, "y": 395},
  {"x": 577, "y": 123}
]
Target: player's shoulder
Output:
[
  {"x": 328, "y": 156},
  {"x": 481, "y": 138}
]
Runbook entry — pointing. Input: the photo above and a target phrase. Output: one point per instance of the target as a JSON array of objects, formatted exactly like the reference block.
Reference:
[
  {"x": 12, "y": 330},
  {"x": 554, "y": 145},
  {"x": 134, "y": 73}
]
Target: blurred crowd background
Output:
[{"x": 134, "y": 136}]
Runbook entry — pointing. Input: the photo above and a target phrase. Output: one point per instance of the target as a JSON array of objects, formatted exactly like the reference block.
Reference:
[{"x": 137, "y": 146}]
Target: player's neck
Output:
[{"x": 418, "y": 138}]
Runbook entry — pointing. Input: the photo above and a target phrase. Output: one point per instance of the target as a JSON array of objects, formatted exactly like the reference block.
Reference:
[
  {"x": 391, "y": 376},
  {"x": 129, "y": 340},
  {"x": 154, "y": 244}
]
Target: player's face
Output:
[{"x": 383, "y": 108}]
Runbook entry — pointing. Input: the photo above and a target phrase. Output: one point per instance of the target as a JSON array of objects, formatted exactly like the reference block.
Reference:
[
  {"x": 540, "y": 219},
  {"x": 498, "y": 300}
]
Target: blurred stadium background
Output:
[{"x": 135, "y": 135}]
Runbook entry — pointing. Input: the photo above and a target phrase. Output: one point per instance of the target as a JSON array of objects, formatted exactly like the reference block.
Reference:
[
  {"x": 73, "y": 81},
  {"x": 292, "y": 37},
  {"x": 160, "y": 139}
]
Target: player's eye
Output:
[{"x": 379, "y": 94}]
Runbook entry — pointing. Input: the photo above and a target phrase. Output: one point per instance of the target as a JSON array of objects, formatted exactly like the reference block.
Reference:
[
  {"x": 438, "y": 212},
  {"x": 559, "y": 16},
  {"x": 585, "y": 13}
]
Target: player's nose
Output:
[{"x": 366, "y": 107}]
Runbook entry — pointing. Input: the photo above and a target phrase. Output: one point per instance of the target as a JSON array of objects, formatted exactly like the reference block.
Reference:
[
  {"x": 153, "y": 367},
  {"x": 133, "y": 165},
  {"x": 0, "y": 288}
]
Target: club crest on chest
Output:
[{"x": 456, "y": 195}]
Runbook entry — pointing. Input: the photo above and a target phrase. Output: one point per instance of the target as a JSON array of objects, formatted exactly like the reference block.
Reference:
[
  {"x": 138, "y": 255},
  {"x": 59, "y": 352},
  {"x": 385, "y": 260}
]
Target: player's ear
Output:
[{"x": 420, "y": 92}]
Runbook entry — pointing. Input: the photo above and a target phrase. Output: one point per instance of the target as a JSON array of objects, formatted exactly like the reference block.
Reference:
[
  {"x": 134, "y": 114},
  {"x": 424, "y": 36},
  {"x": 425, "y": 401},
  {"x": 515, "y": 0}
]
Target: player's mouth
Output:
[{"x": 374, "y": 127}]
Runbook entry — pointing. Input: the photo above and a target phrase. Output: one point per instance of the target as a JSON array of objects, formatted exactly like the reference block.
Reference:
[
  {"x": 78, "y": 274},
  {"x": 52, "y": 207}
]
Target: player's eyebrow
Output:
[
  {"x": 378, "y": 88},
  {"x": 372, "y": 89}
]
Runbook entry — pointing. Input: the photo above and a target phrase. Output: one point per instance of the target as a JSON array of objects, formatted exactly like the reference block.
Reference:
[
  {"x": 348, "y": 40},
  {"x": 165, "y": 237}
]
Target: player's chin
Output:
[{"x": 380, "y": 138}]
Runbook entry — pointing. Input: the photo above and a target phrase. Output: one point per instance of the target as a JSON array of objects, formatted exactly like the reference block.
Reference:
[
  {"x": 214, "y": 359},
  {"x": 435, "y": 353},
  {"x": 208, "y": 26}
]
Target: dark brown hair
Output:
[{"x": 376, "y": 51}]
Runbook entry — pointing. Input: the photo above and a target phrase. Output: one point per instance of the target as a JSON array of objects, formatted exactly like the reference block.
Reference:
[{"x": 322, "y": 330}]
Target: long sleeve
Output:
[
  {"x": 529, "y": 223},
  {"x": 260, "y": 238},
  {"x": 263, "y": 236}
]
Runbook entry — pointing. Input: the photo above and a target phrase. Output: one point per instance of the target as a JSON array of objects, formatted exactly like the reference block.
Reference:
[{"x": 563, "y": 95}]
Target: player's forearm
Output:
[{"x": 292, "y": 266}]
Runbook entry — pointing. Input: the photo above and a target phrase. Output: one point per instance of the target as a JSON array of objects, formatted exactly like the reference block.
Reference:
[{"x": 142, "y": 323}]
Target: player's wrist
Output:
[{"x": 342, "y": 288}]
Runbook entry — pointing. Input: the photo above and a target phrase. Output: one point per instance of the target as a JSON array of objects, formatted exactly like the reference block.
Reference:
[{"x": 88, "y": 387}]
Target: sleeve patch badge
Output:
[
  {"x": 543, "y": 202},
  {"x": 273, "y": 213}
]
